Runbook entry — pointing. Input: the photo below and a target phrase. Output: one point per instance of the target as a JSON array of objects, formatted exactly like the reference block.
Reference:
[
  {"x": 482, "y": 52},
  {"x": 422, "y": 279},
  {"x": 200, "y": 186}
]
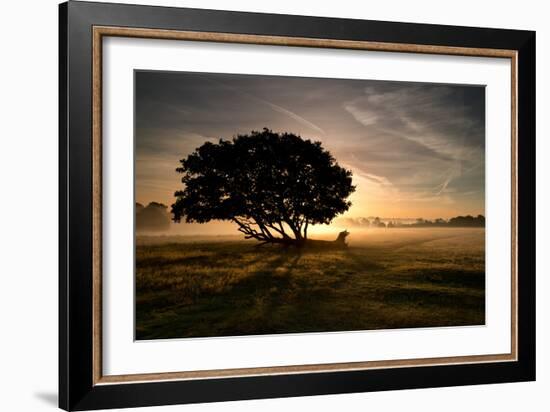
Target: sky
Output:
[{"x": 415, "y": 149}]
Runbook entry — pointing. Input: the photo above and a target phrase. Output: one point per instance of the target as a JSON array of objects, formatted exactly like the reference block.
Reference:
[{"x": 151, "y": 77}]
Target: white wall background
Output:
[{"x": 28, "y": 206}]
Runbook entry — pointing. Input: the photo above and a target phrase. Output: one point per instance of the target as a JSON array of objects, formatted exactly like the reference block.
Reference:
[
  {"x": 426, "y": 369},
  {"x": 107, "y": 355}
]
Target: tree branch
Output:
[
  {"x": 281, "y": 231},
  {"x": 248, "y": 231}
]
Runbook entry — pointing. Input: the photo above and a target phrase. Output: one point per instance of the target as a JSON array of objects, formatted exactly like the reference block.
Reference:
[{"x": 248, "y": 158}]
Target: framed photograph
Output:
[{"x": 256, "y": 206}]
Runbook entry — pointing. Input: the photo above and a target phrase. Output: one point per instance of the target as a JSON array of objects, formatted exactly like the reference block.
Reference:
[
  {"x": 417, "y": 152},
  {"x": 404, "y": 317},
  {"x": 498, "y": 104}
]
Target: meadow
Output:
[{"x": 385, "y": 279}]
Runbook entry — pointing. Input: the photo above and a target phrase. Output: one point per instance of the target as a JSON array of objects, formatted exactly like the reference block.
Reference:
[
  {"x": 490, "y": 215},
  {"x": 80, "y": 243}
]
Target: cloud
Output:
[
  {"x": 440, "y": 118},
  {"x": 419, "y": 135},
  {"x": 363, "y": 116}
]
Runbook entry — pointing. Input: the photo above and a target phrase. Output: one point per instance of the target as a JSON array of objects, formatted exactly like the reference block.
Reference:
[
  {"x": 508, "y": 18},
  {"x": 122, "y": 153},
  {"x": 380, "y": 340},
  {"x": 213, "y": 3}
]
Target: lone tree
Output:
[{"x": 273, "y": 186}]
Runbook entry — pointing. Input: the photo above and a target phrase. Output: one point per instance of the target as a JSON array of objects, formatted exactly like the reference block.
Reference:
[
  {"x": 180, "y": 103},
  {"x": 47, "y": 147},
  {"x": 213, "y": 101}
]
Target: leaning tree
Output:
[{"x": 271, "y": 185}]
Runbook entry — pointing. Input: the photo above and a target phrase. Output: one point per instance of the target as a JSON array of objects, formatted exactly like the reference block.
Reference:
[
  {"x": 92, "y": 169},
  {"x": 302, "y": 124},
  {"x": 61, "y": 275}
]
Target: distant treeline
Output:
[
  {"x": 458, "y": 221},
  {"x": 154, "y": 217}
]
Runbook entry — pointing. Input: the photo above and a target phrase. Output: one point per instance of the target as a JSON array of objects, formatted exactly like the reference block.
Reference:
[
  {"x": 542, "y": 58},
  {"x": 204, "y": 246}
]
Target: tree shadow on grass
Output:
[
  {"x": 256, "y": 297},
  {"x": 268, "y": 275},
  {"x": 359, "y": 261},
  {"x": 292, "y": 301},
  {"x": 277, "y": 293}
]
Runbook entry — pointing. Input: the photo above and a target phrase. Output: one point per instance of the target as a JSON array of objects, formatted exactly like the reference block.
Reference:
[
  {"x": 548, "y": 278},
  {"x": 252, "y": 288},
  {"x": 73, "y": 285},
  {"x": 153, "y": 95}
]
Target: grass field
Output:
[{"x": 387, "y": 278}]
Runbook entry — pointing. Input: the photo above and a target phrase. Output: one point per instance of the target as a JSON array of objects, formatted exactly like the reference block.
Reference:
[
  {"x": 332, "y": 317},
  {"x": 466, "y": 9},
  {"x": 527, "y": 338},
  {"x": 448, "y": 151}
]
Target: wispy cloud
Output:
[
  {"x": 435, "y": 117},
  {"x": 436, "y": 128}
]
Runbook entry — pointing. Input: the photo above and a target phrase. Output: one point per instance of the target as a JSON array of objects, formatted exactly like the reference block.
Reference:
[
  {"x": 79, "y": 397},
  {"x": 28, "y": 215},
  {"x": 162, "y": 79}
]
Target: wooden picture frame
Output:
[{"x": 83, "y": 26}]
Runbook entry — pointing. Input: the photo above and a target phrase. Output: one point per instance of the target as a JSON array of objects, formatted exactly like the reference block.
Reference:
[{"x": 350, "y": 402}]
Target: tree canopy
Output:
[{"x": 272, "y": 185}]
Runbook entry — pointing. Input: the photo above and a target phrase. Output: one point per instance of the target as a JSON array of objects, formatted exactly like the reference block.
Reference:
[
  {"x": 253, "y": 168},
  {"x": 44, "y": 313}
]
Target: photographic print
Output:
[{"x": 273, "y": 205}]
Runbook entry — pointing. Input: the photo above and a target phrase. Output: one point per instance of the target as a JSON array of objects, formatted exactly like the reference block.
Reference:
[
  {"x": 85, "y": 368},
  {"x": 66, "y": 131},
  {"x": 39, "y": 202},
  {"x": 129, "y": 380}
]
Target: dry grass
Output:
[{"x": 398, "y": 278}]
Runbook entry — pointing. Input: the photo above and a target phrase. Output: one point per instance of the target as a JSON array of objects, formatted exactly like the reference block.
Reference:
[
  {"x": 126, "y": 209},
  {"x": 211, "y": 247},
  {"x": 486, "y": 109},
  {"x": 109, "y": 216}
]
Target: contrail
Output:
[
  {"x": 275, "y": 107},
  {"x": 444, "y": 185},
  {"x": 293, "y": 115}
]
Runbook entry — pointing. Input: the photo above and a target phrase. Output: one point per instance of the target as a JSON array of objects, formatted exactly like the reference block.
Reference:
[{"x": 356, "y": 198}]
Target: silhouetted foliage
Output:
[
  {"x": 458, "y": 221},
  {"x": 272, "y": 185},
  {"x": 377, "y": 222},
  {"x": 154, "y": 217},
  {"x": 467, "y": 221}
]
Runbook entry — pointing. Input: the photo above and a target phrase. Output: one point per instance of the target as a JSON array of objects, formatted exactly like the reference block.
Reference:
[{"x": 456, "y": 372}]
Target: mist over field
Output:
[
  {"x": 360, "y": 226},
  {"x": 225, "y": 286}
]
